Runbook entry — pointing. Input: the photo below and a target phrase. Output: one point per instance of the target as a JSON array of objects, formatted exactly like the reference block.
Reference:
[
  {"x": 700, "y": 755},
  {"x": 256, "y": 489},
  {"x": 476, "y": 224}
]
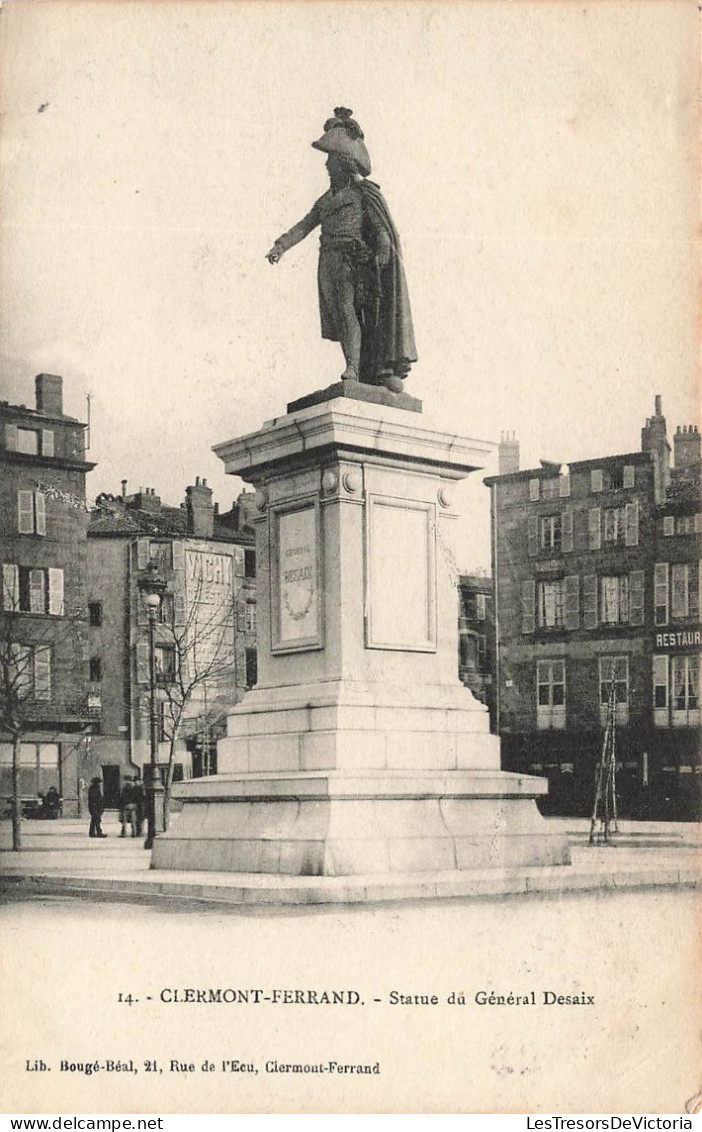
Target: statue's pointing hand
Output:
[{"x": 274, "y": 254}]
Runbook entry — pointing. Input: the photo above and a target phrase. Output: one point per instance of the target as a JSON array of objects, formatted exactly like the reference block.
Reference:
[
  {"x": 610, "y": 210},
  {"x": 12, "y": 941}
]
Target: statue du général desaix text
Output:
[{"x": 363, "y": 299}]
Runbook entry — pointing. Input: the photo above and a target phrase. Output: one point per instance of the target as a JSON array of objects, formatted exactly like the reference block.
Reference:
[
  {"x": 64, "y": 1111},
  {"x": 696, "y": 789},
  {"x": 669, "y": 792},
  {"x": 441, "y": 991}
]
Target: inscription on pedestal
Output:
[
  {"x": 296, "y": 620},
  {"x": 401, "y": 576}
]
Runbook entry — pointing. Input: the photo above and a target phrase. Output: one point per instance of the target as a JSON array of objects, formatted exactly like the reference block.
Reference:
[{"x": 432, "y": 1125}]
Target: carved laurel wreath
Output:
[{"x": 297, "y": 613}]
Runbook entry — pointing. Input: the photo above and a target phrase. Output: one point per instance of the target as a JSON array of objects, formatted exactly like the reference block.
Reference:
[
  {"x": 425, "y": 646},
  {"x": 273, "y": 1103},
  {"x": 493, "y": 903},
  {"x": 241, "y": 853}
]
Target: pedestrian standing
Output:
[
  {"x": 96, "y": 806},
  {"x": 127, "y": 806},
  {"x": 140, "y": 802}
]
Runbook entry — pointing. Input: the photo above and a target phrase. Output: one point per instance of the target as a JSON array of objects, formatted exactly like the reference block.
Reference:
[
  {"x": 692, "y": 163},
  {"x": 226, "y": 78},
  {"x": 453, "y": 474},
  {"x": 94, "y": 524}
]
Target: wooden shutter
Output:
[
  {"x": 668, "y": 525},
  {"x": 632, "y": 524},
  {"x": 178, "y": 607},
  {"x": 594, "y": 516},
  {"x": 25, "y": 511},
  {"x": 528, "y": 606},
  {"x": 629, "y": 475},
  {"x": 532, "y": 535},
  {"x": 40, "y": 512},
  {"x": 596, "y": 479},
  {"x": 564, "y": 485},
  {"x": 660, "y": 593},
  {"x": 660, "y": 681},
  {"x": 533, "y": 490},
  {"x": 590, "y": 601},
  {"x": 698, "y": 523},
  {"x": 572, "y": 601},
  {"x": 567, "y": 531},
  {"x": 56, "y": 592},
  {"x": 636, "y": 597},
  {"x": 37, "y": 591},
  {"x": 10, "y": 587},
  {"x": 143, "y": 553},
  {"x": 11, "y": 437},
  {"x": 42, "y": 672},
  {"x": 47, "y": 442},
  {"x": 142, "y": 662}
]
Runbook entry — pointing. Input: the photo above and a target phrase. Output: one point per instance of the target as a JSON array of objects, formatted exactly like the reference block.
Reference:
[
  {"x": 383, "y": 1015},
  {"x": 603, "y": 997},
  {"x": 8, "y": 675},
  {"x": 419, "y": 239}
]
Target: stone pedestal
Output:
[{"x": 359, "y": 751}]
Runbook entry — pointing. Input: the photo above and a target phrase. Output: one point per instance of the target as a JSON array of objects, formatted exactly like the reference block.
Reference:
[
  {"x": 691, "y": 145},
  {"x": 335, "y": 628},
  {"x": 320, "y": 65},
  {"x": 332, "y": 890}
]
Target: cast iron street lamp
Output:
[{"x": 151, "y": 587}]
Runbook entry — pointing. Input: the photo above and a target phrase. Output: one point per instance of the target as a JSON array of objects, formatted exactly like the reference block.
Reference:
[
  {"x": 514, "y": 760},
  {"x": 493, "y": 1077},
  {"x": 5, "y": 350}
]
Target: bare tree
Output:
[
  {"x": 199, "y": 668},
  {"x": 40, "y": 659}
]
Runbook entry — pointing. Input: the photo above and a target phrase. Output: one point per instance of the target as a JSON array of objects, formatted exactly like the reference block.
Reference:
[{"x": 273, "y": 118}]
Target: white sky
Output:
[{"x": 539, "y": 159}]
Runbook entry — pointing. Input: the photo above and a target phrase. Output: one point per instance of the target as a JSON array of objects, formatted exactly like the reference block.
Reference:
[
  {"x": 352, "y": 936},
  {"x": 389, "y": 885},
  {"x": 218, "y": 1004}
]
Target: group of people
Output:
[
  {"x": 132, "y": 807},
  {"x": 46, "y": 806}
]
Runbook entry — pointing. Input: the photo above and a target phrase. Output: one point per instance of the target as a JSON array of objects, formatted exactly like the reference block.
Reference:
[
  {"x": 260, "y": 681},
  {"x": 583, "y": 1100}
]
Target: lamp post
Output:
[{"x": 151, "y": 587}]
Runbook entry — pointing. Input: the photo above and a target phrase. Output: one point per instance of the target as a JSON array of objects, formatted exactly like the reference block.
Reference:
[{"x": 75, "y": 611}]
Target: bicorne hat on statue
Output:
[{"x": 344, "y": 137}]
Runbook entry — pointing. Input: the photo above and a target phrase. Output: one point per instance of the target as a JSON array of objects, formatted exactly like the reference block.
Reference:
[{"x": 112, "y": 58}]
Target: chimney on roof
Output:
[
  {"x": 686, "y": 446},
  {"x": 145, "y": 499},
  {"x": 507, "y": 454},
  {"x": 654, "y": 440},
  {"x": 124, "y": 489},
  {"x": 200, "y": 512},
  {"x": 49, "y": 390}
]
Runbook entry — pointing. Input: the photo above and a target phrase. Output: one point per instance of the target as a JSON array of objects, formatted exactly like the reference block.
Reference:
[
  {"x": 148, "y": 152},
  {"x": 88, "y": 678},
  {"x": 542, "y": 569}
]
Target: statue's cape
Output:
[{"x": 388, "y": 320}]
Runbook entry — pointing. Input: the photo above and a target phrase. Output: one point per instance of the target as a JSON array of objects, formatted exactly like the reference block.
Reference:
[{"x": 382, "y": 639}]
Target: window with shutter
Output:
[
  {"x": 632, "y": 524},
  {"x": 56, "y": 592},
  {"x": 10, "y": 587},
  {"x": 479, "y": 606},
  {"x": 28, "y": 441},
  {"x": 636, "y": 597},
  {"x": 21, "y": 670},
  {"x": 567, "y": 531},
  {"x": 528, "y": 606},
  {"x": 532, "y": 535},
  {"x": 596, "y": 479},
  {"x": 572, "y": 601},
  {"x": 533, "y": 490},
  {"x": 25, "y": 510},
  {"x": 660, "y": 593},
  {"x": 668, "y": 525},
  {"x": 40, "y": 512},
  {"x": 564, "y": 485},
  {"x": 47, "y": 442},
  {"x": 42, "y": 672},
  {"x": 594, "y": 528},
  {"x": 37, "y": 591},
  {"x": 590, "y": 601},
  {"x": 629, "y": 475}
]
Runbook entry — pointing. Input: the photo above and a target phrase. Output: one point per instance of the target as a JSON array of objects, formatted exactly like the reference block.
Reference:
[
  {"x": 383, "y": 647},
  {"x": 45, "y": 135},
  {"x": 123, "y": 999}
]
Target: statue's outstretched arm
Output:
[{"x": 294, "y": 235}]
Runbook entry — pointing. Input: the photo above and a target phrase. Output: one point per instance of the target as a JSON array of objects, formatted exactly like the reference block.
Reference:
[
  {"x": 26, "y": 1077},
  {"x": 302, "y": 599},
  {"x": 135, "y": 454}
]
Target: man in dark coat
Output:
[
  {"x": 363, "y": 298},
  {"x": 96, "y": 806}
]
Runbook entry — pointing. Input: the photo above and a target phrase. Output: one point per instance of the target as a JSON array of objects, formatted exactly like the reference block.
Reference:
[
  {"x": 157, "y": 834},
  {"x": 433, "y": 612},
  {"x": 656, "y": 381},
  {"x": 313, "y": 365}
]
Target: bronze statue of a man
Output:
[{"x": 363, "y": 300}]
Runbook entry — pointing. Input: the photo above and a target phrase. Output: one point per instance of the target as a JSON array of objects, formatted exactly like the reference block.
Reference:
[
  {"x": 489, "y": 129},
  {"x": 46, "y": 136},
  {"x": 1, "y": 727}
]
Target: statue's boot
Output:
[{"x": 391, "y": 381}]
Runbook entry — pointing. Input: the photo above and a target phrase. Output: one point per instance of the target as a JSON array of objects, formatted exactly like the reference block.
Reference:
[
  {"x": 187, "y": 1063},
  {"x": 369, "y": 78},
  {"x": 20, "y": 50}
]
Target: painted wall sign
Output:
[{"x": 679, "y": 639}]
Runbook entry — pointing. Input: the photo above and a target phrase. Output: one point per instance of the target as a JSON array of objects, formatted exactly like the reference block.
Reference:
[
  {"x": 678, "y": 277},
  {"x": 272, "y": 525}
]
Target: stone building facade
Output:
[
  {"x": 43, "y": 562},
  {"x": 596, "y": 569},
  {"x": 476, "y": 638},
  {"x": 205, "y": 636}
]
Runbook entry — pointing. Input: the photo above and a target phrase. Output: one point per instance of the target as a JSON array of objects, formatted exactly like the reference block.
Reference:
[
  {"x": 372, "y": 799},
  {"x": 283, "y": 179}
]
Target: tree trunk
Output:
[
  {"x": 167, "y": 783},
  {"x": 16, "y": 798}
]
